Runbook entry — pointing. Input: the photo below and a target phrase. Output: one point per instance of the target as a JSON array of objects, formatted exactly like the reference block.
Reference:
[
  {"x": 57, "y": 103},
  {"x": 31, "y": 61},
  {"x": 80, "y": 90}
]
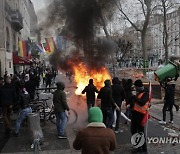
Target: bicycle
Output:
[
  {"x": 43, "y": 109},
  {"x": 71, "y": 118},
  {"x": 47, "y": 113}
]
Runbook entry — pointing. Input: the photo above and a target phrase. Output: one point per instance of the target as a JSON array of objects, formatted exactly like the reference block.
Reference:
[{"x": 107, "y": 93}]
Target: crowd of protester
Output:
[
  {"x": 18, "y": 89},
  {"x": 110, "y": 98}
]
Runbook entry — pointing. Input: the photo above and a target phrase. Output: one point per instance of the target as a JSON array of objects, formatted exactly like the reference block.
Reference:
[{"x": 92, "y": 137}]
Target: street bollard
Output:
[{"x": 35, "y": 129}]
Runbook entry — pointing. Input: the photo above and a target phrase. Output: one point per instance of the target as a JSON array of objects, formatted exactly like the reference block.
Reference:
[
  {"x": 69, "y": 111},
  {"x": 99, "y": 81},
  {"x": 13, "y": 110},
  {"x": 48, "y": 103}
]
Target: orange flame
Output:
[{"x": 82, "y": 75}]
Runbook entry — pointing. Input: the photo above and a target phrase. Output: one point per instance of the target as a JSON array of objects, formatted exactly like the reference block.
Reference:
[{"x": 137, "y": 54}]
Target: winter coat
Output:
[
  {"x": 7, "y": 95},
  {"x": 95, "y": 139},
  {"x": 90, "y": 92},
  {"x": 105, "y": 94},
  {"x": 128, "y": 94},
  {"x": 169, "y": 94},
  {"x": 30, "y": 86},
  {"x": 24, "y": 99},
  {"x": 59, "y": 101},
  {"x": 137, "y": 116},
  {"x": 118, "y": 94}
]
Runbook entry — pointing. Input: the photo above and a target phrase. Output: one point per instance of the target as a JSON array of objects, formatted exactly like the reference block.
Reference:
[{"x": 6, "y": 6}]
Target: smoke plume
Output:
[{"x": 79, "y": 19}]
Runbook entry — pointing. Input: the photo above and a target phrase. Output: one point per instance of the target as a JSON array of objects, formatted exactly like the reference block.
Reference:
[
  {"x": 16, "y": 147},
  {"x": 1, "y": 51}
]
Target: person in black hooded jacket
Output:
[
  {"x": 7, "y": 99},
  {"x": 24, "y": 101},
  {"x": 90, "y": 91},
  {"x": 140, "y": 99},
  {"x": 118, "y": 96},
  {"x": 107, "y": 103}
]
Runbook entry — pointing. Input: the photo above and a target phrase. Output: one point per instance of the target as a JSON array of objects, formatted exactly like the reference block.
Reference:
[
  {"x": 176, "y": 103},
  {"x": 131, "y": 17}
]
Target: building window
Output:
[
  {"x": 7, "y": 40},
  {"x": 9, "y": 64}
]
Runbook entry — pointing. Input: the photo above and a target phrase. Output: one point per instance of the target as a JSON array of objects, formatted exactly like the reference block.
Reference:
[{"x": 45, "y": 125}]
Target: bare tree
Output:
[
  {"x": 146, "y": 7},
  {"x": 165, "y": 7}
]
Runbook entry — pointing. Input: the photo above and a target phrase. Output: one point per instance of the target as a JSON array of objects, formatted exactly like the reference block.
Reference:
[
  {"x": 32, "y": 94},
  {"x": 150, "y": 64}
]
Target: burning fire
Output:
[{"x": 82, "y": 75}]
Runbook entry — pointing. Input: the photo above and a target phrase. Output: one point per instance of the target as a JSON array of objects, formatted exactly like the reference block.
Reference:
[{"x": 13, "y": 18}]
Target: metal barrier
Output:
[{"x": 50, "y": 88}]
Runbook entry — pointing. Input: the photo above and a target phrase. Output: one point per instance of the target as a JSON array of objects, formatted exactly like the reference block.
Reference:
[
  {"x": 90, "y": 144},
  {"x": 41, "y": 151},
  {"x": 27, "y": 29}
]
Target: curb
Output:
[{"x": 174, "y": 126}]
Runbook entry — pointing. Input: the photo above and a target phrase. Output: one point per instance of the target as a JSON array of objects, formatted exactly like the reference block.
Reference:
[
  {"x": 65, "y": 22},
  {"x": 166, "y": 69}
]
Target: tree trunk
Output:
[
  {"x": 165, "y": 32},
  {"x": 144, "y": 33}
]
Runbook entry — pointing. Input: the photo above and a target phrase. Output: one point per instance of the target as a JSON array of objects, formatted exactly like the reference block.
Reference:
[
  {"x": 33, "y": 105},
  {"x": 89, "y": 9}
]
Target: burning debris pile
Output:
[
  {"x": 83, "y": 74},
  {"x": 80, "y": 18}
]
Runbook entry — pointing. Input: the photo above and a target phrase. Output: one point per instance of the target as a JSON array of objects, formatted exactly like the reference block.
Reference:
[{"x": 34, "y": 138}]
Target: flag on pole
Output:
[
  {"x": 59, "y": 42},
  {"x": 39, "y": 48},
  {"x": 50, "y": 45},
  {"x": 22, "y": 49},
  {"x": 29, "y": 48},
  {"x": 150, "y": 91},
  {"x": 147, "y": 116},
  {"x": 42, "y": 46},
  {"x": 46, "y": 47}
]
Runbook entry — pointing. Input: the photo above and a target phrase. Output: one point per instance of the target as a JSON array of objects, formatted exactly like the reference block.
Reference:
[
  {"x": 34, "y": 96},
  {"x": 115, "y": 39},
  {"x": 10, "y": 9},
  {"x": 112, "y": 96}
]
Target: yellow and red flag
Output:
[
  {"x": 22, "y": 49},
  {"x": 50, "y": 45}
]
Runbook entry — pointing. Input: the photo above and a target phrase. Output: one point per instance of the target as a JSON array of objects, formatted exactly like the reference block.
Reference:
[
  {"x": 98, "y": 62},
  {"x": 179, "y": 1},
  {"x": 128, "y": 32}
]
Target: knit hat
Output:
[
  {"x": 90, "y": 81},
  {"x": 95, "y": 115},
  {"x": 107, "y": 82},
  {"x": 138, "y": 83}
]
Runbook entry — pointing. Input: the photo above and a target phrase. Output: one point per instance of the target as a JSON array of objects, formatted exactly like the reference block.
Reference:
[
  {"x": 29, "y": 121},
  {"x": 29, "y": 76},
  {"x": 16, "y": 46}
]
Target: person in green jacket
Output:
[{"x": 60, "y": 105}]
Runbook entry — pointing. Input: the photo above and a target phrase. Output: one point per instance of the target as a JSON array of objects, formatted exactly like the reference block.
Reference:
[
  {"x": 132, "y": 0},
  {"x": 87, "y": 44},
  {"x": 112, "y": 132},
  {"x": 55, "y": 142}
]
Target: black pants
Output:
[
  {"x": 48, "y": 84},
  {"x": 167, "y": 107},
  {"x": 6, "y": 112},
  {"x": 136, "y": 126},
  {"x": 108, "y": 117},
  {"x": 90, "y": 104}
]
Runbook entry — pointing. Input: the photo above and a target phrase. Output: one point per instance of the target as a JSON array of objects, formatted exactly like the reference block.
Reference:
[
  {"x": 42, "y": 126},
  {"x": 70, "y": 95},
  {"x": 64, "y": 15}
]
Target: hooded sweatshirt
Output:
[{"x": 59, "y": 98}]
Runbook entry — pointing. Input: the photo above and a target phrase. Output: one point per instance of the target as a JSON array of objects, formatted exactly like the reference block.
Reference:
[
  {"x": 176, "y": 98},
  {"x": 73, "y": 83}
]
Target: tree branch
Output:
[
  {"x": 142, "y": 5},
  {"x": 126, "y": 17}
]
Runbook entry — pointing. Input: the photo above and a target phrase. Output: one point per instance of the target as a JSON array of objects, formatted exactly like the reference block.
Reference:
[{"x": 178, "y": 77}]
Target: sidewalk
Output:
[{"x": 156, "y": 112}]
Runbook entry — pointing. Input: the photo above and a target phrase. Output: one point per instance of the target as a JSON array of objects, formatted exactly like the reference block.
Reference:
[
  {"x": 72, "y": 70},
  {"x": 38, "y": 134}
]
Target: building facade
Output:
[
  {"x": 173, "y": 29},
  {"x": 15, "y": 25}
]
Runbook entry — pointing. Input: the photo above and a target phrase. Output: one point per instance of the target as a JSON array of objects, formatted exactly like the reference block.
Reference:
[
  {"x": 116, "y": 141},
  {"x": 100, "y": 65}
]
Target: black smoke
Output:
[{"x": 80, "y": 17}]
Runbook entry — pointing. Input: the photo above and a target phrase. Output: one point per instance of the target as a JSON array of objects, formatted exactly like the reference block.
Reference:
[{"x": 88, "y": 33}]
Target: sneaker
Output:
[
  {"x": 15, "y": 134},
  {"x": 8, "y": 131},
  {"x": 162, "y": 122},
  {"x": 118, "y": 131},
  {"x": 171, "y": 122},
  {"x": 62, "y": 137},
  {"x": 177, "y": 108}
]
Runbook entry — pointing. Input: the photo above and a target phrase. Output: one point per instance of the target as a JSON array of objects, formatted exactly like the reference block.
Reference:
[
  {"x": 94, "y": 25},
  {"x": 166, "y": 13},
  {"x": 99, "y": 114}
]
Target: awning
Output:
[{"x": 19, "y": 60}]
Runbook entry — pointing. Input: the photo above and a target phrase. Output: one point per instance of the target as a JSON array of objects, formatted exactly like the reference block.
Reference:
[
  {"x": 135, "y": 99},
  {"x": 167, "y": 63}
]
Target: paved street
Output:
[{"x": 53, "y": 145}]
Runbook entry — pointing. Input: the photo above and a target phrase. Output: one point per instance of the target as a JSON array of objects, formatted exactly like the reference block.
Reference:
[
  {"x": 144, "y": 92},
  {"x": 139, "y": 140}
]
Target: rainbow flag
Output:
[
  {"x": 49, "y": 46},
  {"x": 22, "y": 49}
]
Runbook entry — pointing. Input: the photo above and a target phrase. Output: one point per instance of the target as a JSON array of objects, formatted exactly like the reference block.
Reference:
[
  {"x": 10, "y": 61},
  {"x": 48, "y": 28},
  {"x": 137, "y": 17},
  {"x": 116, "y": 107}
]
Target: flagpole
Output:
[{"x": 150, "y": 97}]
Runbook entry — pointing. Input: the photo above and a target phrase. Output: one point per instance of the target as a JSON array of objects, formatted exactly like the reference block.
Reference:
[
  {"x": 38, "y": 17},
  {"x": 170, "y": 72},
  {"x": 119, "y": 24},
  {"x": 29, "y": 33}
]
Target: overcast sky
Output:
[{"x": 38, "y": 4}]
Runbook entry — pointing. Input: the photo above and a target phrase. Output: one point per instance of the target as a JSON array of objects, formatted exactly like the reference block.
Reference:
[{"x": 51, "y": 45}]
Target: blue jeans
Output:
[
  {"x": 22, "y": 115},
  {"x": 61, "y": 122}
]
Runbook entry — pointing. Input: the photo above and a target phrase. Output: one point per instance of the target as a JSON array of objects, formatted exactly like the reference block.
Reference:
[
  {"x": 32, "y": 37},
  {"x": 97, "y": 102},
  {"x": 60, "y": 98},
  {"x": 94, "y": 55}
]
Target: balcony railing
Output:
[
  {"x": 14, "y": 16},
  {"x": 16, "y": 20}
]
